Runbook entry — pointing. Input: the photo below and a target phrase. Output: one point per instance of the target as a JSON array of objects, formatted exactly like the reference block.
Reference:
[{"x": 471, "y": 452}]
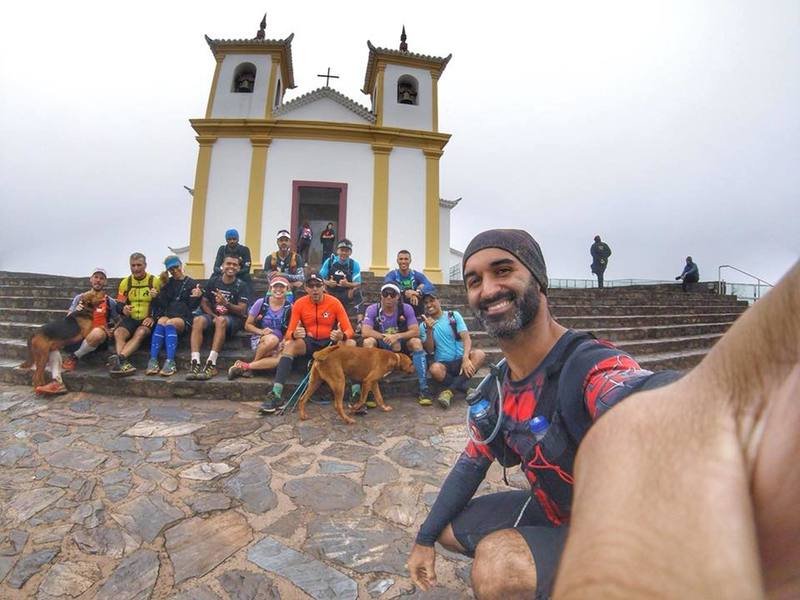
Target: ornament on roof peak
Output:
[
  {"x": 262, "y": 32},
  {"x": 403, "y": 45}
]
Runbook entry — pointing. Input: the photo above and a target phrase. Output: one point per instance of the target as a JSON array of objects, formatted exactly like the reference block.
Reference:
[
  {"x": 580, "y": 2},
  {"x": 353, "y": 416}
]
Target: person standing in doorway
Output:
[
  {"x": 304, "y": 242},
  {"x": 327, "y": 238},
  {"x": 600, "y": 252}
]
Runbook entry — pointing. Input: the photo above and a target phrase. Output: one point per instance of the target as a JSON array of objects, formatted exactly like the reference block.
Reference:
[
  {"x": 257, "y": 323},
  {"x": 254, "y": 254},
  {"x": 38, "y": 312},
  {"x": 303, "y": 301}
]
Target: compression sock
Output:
[
  {"x": 84, "y": 349},
  {"x": 156, "y": 341},
  {"x": 282, "y": 372},
  {"x": 421, "y": 365},
  {"x": 212, "y": 357},
  {"x": 172, "y": 341}
]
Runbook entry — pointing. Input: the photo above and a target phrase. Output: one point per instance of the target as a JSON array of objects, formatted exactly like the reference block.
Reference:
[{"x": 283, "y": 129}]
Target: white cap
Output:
[{"x": 390, "y": 286}]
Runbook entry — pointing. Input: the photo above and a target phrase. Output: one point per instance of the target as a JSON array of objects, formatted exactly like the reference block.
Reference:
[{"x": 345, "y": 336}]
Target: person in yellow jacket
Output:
[{"x": 135, "y": 293}]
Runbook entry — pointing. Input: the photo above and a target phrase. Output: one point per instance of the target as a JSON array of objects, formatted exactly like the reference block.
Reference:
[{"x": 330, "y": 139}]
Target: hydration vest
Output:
[
  {"x": 402, "y": 322},
  {"x": 552, "y": 458},
  {"x": 274, "y": 262}
]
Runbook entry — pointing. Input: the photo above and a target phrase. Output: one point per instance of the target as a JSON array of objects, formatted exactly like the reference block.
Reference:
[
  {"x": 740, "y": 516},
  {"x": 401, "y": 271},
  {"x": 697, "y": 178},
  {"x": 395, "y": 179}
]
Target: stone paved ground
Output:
[{"x": 136, "y": 498}]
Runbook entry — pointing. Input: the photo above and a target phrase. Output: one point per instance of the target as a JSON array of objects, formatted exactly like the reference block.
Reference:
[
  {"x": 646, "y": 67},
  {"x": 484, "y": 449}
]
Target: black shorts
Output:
[
  {"x": 131, "y": 325},
  {"x": 452, "y": 367},
  {"x": 313, "y": 344},
  {"x": 520, "y": 511}
]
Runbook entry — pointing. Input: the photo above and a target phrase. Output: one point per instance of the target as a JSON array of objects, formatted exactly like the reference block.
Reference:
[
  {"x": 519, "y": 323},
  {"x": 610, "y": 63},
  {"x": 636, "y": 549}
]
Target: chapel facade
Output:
[{"x": 265, "y": 164}]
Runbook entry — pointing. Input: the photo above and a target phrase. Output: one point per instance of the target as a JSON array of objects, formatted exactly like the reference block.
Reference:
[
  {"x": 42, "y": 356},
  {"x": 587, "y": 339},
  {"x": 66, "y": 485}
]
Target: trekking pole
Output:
[{"x": 291, "y": 403}]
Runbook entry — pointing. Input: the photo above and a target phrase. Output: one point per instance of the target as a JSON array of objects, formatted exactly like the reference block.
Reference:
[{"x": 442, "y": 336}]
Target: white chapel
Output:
[{"x": 265, "y": 164}]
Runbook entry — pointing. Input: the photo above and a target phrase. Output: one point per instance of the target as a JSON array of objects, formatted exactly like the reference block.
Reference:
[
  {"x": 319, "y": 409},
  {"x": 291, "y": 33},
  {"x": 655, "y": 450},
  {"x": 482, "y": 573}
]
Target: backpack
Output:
[
  {"x": 402, "y": 322},
  {"x": 287, "y": 313},
  {"x": 273, "y": 261},
  {"x": 346, "y": 267},
  {"x": 129, "y": 285}
]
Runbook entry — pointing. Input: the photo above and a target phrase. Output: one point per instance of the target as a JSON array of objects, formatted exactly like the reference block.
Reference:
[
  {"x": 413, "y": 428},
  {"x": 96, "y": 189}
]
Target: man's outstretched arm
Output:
[{"x": 691, "y": 490}]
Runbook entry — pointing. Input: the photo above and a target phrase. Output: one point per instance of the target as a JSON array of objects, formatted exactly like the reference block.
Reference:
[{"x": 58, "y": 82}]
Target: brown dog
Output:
[
  {"x": 335, "y": 364},
  {"x": 57, "y": 334}
]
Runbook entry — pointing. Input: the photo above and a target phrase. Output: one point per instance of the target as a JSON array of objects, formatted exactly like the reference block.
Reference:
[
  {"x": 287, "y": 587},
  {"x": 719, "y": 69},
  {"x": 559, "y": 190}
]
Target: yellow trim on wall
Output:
[
  {"x": 212, "y": 94},
  {"x": 195, "y": 266},
  {"x": 379, "y": 97},
  {"x": 255, "y": 197},
  {"x": 432, "y": 268},
  {"x": 435, "y": 101},
  {"x": 321, "y": 130},
  {"x": 273, "y": 75},
  {"x": 380, "y": 210}
]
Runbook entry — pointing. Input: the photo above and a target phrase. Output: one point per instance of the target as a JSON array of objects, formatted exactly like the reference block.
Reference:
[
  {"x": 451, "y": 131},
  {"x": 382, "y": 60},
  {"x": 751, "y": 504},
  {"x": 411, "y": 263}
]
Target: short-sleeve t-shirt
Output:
[
  {"x": 272, "y": 319},
  {"x": 235, "y": 292},
  {"x": 388, "y": 323},
  {"x": 446, "y": 346}
]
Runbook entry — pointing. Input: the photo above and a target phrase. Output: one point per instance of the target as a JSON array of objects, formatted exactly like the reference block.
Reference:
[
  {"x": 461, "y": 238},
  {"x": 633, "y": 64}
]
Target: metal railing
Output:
[
  {"x": 746, "y": 291},
  {"x": 562, "y": 283}
]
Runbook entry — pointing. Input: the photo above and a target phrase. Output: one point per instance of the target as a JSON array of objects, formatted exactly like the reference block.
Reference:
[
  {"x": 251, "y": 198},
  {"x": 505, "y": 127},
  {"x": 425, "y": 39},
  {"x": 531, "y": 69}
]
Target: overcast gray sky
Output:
[{"x": 670, "y": 128}]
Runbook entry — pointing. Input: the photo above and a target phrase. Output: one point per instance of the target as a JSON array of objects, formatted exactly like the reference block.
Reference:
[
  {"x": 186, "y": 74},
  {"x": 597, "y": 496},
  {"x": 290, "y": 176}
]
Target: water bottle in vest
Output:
[
  {"x": 480, "y": 414},
  {"x": 538, "y": 427}
]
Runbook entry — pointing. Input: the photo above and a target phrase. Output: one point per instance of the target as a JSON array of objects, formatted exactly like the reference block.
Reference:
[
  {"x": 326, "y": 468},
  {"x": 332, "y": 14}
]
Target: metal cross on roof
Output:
[{"x": 328, "y": 77}]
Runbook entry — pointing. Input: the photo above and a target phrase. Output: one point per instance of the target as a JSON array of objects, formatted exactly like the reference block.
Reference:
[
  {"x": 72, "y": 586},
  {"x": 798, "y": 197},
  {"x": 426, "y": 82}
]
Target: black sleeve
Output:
[
  {"x": 219, "y": 259},
  {"x": 192, "y": 303},
  {"x": 158, "y": 305},
  {"x": 246, "y": 261},
  {"x": 457, "y": 490}
]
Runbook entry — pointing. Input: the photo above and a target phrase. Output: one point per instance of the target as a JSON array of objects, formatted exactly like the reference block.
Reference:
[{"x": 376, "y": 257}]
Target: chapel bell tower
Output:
[
  {"x": 403, "y": 86},
  {"x": 251, "y": 76}
]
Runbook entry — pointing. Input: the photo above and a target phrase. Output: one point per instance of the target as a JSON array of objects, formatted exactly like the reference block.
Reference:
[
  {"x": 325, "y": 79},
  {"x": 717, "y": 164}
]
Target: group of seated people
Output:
[{"x": 299, "y": 314}]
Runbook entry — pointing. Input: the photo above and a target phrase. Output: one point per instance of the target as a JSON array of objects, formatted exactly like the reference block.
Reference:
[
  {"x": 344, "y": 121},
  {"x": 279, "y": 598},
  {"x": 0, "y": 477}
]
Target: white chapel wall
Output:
[
  {"x": 229, "y": 104},
  {"x": 313, "y": 160},
  {"x": 226, "y": 200},
  {"x": 323, "y": 109},
  {"x": 407, "y": 205},
  {"x": 407, "y": 116}
]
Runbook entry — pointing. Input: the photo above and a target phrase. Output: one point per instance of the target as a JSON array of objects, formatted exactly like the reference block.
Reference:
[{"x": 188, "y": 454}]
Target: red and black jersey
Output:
[{"x": 591, "y": 379}]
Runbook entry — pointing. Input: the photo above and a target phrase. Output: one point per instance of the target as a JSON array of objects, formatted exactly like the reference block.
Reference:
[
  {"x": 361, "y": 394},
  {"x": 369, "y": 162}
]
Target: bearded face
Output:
[{"x": 509, "y": 312}]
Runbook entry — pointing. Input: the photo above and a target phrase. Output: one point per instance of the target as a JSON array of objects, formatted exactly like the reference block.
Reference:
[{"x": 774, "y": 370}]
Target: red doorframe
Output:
[{"x": 341, "y": 226}]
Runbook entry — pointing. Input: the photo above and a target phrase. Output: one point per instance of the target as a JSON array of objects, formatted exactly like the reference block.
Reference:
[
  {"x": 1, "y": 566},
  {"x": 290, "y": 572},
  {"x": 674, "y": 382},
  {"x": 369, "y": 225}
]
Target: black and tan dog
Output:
[
  {"x": 335, "y": 364},
  {"x": 54, "y": 336}
]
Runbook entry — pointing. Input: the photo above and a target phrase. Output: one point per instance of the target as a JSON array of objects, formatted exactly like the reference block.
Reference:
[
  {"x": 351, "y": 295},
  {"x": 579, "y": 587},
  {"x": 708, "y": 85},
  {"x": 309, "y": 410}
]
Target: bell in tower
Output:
[{"x": 244, "y": 82}]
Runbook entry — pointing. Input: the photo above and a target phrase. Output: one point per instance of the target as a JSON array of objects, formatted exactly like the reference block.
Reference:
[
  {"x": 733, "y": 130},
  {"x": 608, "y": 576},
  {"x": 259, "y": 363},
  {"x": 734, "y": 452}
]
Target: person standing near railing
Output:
[{"x": 600, "y": 252}]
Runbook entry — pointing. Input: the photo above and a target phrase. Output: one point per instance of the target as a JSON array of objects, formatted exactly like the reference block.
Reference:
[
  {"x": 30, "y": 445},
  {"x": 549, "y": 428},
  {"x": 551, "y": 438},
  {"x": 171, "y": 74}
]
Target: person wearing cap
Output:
[
  {"x": 285, "y": 262},
  {"x": 172, "y": 309},
  {"x": 600, "y": 252},
  {"x": 135, "y": 294},
  {"x": 563, "y": 378},
  {"x": 342, "y": 276},
  {"x": 102, "y": 321},
  {"x": 446, "y": 337},
  {"x": 392, "y": 325},
  {"x": 413, "y": 284},
  {"x": 267, "y": 321},
  {"x": 232, "y": 247},
  {"x": 223, "y": 307},
  {"x": 318, "y": 320}
]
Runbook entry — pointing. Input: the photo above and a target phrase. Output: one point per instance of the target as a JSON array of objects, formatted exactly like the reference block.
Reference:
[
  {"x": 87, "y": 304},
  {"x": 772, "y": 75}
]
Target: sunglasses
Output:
[{"x": 388, "y": 294}]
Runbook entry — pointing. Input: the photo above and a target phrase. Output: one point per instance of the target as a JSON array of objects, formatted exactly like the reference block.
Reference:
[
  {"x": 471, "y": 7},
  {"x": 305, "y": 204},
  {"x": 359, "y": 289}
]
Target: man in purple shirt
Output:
[{"x": 391, "y": 324}]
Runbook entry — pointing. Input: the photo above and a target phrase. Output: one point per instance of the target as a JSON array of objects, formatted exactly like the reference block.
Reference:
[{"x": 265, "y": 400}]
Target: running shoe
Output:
[
  {"x": 194, "y": 371},
  {"x": 126, "y": 369},
  {"x": 209, "y": 372},
  {"x": 152, "y": 367},
  {"x": 272, "y": 403},
  {"x": 237, "y": 370},
  {"x": 169, "y": 369},
  {"x": 425, "y": 398},
  {"x": 444, "y": 398},
  {"x": 113, "y": 364}
]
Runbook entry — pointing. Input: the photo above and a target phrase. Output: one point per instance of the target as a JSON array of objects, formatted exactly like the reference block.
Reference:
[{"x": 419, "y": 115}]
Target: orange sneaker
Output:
[
  {"x": 69, "y": 363},
  {"x": 53, "y": 388}
]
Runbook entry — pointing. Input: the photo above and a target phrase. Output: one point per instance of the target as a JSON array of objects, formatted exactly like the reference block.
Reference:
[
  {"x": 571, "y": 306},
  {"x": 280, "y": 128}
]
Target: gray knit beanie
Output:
[{"x": 517, "y": 242}]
